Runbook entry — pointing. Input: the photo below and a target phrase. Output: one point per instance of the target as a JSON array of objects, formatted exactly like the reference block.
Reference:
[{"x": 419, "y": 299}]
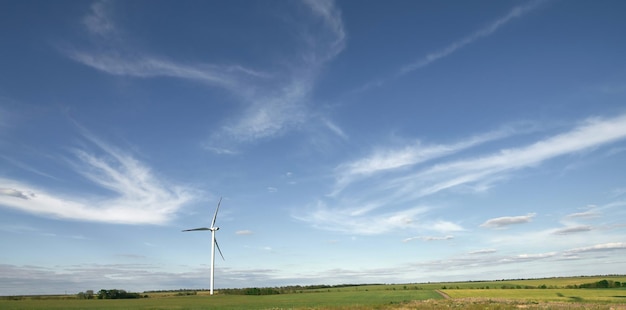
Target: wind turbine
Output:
[{"x": 213, "y": 229}]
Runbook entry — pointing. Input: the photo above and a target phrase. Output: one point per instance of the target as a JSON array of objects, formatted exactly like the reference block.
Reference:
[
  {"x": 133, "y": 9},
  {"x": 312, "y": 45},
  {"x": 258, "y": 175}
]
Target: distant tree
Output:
[
  {"x": 116, "y": 294},
  {"x": 603, "y": 284},
  {"x": 88, "y": 294}
]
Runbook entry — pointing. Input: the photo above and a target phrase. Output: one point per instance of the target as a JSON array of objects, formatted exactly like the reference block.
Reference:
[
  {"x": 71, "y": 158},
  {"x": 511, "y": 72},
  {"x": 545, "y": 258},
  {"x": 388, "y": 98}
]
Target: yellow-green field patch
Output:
[{"x": 573, "y": 295}]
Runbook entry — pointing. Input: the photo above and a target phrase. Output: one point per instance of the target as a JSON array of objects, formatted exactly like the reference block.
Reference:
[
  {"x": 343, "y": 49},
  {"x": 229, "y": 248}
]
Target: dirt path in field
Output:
[{"x": 444, "y": 295}]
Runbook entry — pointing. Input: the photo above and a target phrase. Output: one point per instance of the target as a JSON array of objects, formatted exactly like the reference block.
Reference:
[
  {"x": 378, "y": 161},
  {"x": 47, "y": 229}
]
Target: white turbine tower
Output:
[{"x": 213, "y": 229}]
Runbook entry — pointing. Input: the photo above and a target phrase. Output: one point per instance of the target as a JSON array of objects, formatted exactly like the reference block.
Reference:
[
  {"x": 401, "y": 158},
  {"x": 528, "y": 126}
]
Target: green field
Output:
[
  {"x": 510, "y": 294},
  {"x": 354, "y": 299},
  {"x": 564, "y": 295}
]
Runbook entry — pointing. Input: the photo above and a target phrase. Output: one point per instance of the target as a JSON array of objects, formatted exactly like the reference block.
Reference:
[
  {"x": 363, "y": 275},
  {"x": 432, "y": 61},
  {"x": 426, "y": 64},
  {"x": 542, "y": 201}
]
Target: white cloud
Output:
[
  {"x": 516, "y": 12},
  {"x": 586, "y": 214},
  {"x": 391, "y": 159},
  {"x": 356, "y": 221},
  {"x": 273, "y": 102},
  {"x": 272, "y": 111},
  {"x": 599, "y": 248},
  {"x": 590, "y": 134},
  {"x": 335, "y": 129},
  {"x": 572, "y": 229},
  {"x": 483, "y": 251},
  {"x": 26, "y": 167},
  {"x": 141, "y": 277},
  {"x": 534, "y": 256},
  {"x": 429, "y": 238},
  {"x": 617, "y": 192},
  {"x": 98, "y": 21},
  {"x": 244, "y": 232},
  {"x": 362, "y": 220},
  {"x": 403, "y": 179},
  {"x": 148, "y": 66},
  {"x": 501, "y": 222},
  {"x": 15, "y": 193},
  {"x": 331, "y": 17},
  {"x": 137, "y": 196}
]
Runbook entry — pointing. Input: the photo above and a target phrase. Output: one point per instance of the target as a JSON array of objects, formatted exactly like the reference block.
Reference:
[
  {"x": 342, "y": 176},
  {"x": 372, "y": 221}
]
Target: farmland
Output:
[{"x": 552, "y": 293}]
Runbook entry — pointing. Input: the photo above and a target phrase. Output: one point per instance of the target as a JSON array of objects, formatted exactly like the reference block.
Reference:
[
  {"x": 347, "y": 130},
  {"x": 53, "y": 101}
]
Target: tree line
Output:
[
  {"x": 603, "y": 284},
  {"x": 282, "y": 289},
  {"x": 109, "y": 294}
]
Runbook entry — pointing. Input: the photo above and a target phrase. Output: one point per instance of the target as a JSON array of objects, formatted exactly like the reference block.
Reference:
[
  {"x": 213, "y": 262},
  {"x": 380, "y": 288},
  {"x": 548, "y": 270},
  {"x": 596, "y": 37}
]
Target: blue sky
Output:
[{"x": 351, "y": 141}]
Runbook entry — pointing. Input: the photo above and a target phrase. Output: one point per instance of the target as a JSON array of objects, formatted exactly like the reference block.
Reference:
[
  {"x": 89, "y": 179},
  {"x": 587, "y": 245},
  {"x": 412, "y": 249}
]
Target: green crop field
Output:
[
  {"x": 553, "y": 293},
  {"x": 354, "y": 299},
  {"x": 578, "y": 295}
]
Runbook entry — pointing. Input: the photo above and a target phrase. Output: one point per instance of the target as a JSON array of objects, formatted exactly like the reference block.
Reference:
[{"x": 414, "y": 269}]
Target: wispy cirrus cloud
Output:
[
  {"x": 136, "y": 194},
  {"x": 515, "y": 13},
  {"x": 274, "y": 101},
  {"x": 502, "y": 222},
  {"x": 482, "y": 251},
  {"x": 383, "y": 159},
  {"x": 403, "y": 176},
  {"x": 361, "y": 219},
  {"x": 244, "y": 232},
  {"x": 98, "y": 21},
  {"x": 592, "y": 133},
  {"x": 604, "y": 247},
  {"x": 284, "y": 105},
  {"x": 429, "y": 238},
  {"x": 584, "y": 215},
  {"x": 16, "y": 193},
  {"x": 572, "y": 230}
]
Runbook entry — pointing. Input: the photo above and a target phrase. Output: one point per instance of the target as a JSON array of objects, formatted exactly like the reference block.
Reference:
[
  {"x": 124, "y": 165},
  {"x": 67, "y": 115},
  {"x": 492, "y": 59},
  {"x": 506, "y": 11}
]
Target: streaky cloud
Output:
[
  {"x": 98, "y": 21},
  {"x": 515, "y": 13},
  {"x": 274, "y": 103},
  {"x": 281, "y": 107},
  {"x": 585, "y": 214},
  {"x": 383, "y": 160},
  {"x": 395, "y": 175},
  {"x": 429, "y": 238},
  {"x": 16, "y": 193},
  {"x": 148, "y": 67},
  {"x": 501, "y": 222},
  {"x": 332, "y": 19},
  {"x": 592, "y": 133},
  {"x": 26, "y": 167},
  {"x": 572, "y": 230},
  {"x": 362, "y": 220},
  {"x": 432, "y": 57},
  {"x": 604, "y": 247},
  {"x": 137, "y": 195},
  {"x": 355, "y": 222},
  {"x": 483, "y": 251}
]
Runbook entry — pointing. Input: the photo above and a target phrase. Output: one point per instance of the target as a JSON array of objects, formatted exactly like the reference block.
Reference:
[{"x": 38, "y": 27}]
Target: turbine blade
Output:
[
  {"x": 218, "y": 249},
  {"x": 215, "y": 215},
  {"x": 201, "y": 228}
]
